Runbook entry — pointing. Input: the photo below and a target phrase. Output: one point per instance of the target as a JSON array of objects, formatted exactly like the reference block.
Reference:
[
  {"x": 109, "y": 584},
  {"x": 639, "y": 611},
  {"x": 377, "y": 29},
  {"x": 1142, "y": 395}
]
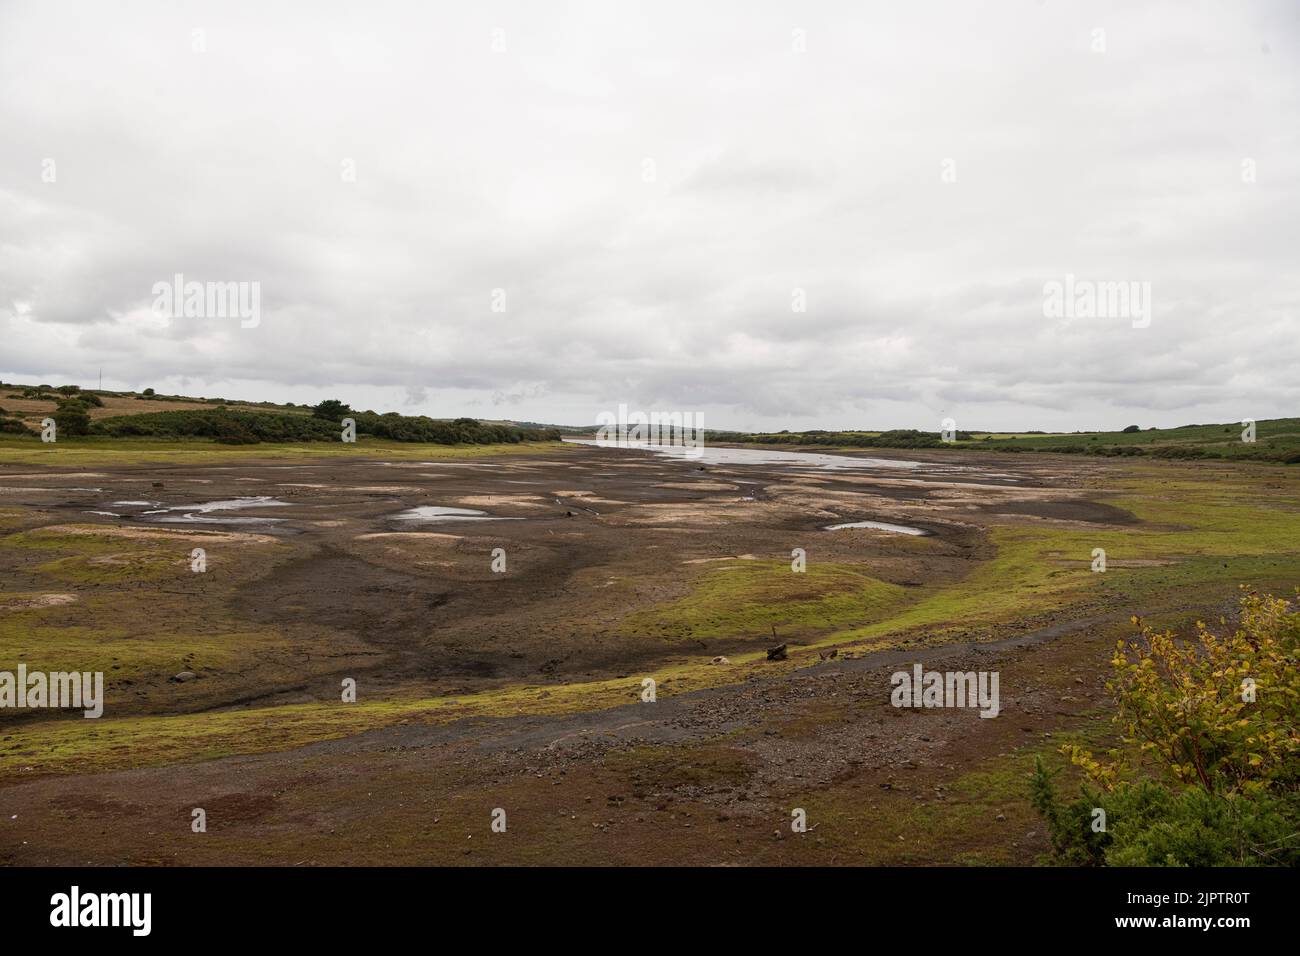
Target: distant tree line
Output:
[
  {"x": 249, "y": 423},
  {"x": 421, "y": 428},
  {"x": 239, "y": 427},
  {"x": 1283, "y": 447}
]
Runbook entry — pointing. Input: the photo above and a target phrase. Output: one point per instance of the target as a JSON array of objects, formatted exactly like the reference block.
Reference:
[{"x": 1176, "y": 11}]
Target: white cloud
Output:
[{"x": 773, "y": 170}]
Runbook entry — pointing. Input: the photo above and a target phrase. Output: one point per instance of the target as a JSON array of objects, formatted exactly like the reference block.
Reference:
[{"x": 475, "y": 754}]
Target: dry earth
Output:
[{"x": 601, "y": 546}]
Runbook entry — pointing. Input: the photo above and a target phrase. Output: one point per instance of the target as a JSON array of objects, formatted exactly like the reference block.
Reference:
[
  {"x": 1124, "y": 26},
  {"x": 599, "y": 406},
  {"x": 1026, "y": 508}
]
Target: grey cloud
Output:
[{"x": 775, "y": 171}]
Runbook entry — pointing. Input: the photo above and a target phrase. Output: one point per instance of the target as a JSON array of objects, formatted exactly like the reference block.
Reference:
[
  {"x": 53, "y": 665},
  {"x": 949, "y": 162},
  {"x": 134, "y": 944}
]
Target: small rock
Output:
[{"x": 183, "y": 676}]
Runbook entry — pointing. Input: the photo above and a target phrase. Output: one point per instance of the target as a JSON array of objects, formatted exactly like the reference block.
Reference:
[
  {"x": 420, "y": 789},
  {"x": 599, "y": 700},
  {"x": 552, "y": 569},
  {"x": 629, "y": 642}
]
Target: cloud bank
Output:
[{"x": 780, "y": 215}]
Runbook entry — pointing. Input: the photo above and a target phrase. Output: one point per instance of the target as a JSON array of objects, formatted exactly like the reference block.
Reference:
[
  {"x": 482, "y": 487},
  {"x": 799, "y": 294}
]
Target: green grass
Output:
[
  {"x": 123, "y": 568},
  {"x": 113, "y": 624},
  {"x": 1222, "y": 529},
  {"x": 115, "y": 452},
  {"x": 121, "y": 652},
  {"x": 745, "y": 598}
]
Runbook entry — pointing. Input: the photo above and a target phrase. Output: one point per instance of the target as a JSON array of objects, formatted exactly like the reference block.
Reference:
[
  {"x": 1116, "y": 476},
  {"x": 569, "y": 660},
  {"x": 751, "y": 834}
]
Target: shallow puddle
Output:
[
  {"x": 879, "y": 526},
  {"x": 202, "y": 513},
  {"x": 431, "y": 514},
  {"x": 714, "y": 455}
]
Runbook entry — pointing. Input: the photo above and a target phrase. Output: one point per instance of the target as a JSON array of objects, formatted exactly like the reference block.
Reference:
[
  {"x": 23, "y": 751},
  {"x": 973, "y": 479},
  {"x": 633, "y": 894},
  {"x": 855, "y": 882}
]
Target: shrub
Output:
[
  {"x": 331, "y": 409},
  {"x": 1218, "y": 719},
  {"x": 1147, "y": 824},
  {"x": 1131, "y": 429},
  {"x": 1181, "y": 452},
  {"x": 238, "y": 427},
  {"x": 220, "y": 424},
  {"x": 231, "y": 431},
  {"x": 71, "y": 419}
]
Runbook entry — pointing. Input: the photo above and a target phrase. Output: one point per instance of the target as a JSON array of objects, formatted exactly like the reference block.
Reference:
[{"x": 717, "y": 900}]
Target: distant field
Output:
[
  {"x": 1276, "y": 440},
  {"x": 84, "y": 452},
  {"x": 1224, "y": 440},
  {"x": 127, "y": 426},
  {"x": 32, "y": 410}
]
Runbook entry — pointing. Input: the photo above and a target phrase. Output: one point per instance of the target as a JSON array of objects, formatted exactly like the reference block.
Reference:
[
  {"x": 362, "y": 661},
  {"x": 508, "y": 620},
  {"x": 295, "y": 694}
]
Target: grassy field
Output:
[
  {"x": 754, "y": 598},
  {"x": 32, "y": 408},
  {"x": 114, "y": 452},
  {"x": 1275, "y": 439}
]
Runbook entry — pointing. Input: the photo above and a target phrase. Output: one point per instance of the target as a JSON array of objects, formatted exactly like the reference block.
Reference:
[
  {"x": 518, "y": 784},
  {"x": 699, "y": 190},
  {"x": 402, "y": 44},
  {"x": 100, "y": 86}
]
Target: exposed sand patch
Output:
[
  {"x": 408, "y": 534},
  {"x": 493, "y": 501},
  {"x": 698, "y": 485},
  {"x": 386, "y": 489},
  {"x": 999, "y": 492},
  {"x": 707, "y": 513},
  {"x": 730, "y": 557},
  {"x": 9, "y": 489},
  {"x": 150, "y": 534},
  {"x": 936, "y": 483},
  {"x": 26, "y": 602}
]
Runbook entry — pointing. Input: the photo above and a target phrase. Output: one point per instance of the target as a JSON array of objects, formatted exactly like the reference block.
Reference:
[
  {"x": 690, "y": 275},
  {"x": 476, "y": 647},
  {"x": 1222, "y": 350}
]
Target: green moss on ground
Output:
[{"x": 747, "y": 598}]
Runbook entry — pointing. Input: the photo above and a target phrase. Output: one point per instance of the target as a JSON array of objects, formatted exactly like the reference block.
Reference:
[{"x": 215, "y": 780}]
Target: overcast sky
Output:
[{"x": 649, "y": 185}]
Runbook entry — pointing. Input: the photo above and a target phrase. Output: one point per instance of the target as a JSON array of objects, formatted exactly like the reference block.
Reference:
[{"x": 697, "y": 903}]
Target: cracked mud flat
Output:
[{"x": 337, "y": 588}]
